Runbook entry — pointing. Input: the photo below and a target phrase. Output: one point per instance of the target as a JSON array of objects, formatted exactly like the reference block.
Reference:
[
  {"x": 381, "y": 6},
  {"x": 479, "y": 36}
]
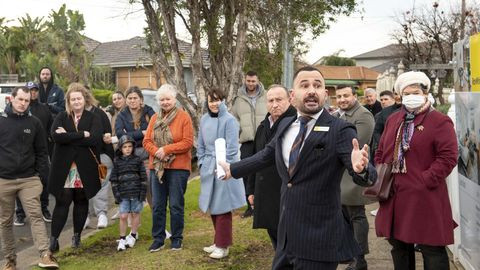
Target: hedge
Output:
[{"x": 104, "y": 96}]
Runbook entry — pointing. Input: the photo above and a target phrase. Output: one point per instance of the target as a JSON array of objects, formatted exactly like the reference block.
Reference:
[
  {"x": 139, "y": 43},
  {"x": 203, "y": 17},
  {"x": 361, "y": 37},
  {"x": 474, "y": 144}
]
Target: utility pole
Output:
[
  {"x": 287, "y": 63},
  {"x": 462, "y": 20}
]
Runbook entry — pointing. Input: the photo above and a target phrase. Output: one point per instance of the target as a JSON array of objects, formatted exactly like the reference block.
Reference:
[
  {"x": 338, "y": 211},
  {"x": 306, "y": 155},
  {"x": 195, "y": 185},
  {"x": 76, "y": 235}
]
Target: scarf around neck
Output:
[
  {"x": 404, "y": 136},
  {"x": 162, "y": 136}
]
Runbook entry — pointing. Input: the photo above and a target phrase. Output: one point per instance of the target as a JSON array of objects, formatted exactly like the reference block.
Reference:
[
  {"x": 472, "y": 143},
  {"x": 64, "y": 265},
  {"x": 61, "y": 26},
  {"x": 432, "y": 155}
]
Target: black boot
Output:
[
  {"x": 54, "y": 246},
  {"x": 359, "y": 263},
  {"x": 76, "y": 240}
]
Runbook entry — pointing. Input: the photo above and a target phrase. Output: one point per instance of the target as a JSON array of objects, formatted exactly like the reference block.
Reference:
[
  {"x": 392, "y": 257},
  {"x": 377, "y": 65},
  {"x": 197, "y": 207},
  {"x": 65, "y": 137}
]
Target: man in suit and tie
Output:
[{"x": 311, "y": 151}]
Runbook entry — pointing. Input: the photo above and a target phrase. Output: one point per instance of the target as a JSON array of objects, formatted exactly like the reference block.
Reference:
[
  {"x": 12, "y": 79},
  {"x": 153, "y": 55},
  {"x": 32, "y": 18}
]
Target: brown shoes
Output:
[
  {"x": 48, "y": 261},
  {"x": 10, "y": 265}
]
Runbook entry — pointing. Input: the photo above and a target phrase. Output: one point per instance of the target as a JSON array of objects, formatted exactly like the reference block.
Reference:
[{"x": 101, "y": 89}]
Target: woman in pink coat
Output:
[{"x": 421, "y": 144}]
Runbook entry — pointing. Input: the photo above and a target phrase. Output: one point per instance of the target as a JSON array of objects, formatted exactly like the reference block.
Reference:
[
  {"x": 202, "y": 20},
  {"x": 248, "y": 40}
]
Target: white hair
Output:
[
  {"x": 166, "y": 90},
  {"x": 370, "y": 90}
]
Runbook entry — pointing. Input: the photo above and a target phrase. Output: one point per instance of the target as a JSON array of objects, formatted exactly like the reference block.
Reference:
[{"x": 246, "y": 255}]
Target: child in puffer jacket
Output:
[{"x": 129, "y": 186}]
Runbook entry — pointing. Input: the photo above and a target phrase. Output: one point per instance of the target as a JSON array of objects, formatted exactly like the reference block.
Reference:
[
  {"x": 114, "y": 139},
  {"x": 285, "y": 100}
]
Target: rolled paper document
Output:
[{"x": 221, "y": 155}]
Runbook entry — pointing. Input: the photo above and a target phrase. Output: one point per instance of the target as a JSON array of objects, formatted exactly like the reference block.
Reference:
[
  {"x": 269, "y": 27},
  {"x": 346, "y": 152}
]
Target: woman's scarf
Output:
[
  {"x": 404, "y": 136},
  {"x": 162, "y": 136}
]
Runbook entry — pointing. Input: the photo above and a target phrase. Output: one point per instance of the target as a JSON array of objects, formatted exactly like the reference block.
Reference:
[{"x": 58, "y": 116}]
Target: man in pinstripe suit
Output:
[{"x": 312, "y": 231}]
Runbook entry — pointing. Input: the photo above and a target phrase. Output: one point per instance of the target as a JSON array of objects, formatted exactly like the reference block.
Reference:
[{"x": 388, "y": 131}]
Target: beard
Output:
[{"x": 307, "y": 106}]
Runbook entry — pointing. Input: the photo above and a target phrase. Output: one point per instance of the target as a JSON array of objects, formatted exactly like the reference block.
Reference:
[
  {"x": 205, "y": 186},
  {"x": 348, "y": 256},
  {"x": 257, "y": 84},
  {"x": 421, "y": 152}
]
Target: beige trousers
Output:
[{"x": 28, "y": 190}]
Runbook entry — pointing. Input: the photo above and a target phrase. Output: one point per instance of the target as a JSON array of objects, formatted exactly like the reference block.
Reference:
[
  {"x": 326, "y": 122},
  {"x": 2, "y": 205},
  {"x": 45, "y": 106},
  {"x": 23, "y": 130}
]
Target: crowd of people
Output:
[{"x": 298, "y": 166}]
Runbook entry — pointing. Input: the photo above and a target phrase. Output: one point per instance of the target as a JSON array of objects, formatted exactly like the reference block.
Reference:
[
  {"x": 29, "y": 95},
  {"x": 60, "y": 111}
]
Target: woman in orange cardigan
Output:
[{"x": 168, "y": 140}]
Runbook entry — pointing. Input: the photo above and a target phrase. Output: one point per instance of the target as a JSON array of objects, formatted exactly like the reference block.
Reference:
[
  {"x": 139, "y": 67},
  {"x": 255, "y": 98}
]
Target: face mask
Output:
[{"x": 413, "y": 101}]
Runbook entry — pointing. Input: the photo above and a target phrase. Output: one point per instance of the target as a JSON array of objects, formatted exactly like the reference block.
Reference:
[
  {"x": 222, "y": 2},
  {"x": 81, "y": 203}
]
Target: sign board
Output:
[{"x": 467, "y": 107}]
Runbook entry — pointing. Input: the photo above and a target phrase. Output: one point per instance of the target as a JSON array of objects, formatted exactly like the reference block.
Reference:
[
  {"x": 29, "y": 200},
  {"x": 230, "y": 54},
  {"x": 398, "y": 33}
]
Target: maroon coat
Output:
[{"x": 419, "y": 211}]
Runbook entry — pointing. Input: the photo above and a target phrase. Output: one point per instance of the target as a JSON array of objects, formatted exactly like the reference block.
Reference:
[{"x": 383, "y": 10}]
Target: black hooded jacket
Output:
[
  {"x": 128, "y": 178},
  {"x": 23, "y": 146},
  {"x": 53, "y": 95}
]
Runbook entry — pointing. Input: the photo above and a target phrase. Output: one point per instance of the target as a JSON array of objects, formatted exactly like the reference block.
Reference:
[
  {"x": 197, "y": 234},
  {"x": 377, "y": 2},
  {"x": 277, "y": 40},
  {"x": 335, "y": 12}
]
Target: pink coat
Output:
[{"x": 419, "y": 211}]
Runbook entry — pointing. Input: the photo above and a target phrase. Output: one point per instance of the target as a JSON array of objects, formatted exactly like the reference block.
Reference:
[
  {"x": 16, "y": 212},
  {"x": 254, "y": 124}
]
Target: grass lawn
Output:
[{"x": 251, "y": 248}]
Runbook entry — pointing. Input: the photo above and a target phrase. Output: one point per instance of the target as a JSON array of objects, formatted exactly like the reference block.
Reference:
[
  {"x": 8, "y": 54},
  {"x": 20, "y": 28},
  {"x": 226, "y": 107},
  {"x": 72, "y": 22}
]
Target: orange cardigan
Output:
[{"x": 182, "y": 133}]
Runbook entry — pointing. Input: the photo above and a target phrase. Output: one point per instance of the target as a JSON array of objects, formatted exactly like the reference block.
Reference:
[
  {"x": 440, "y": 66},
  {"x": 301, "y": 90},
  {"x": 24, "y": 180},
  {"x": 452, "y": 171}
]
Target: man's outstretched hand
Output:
[
  {"x": 359, "y": 157},
  {"x": 226, "y": 168}
]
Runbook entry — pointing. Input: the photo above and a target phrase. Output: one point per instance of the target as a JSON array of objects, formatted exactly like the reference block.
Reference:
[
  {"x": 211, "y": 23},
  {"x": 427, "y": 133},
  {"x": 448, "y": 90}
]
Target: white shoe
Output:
[
  {"x": 210, "y": 249},
  {"x": 87, "y": 223},
  {"x": 122, "y": 245},
  {"x": 167, "y": 234},
  {"x": 116, "y": 215},
  {"x": 219, "y": 253},
  {"x": 130, "y": 241},
  {"x": 374, "y": 212},
  {"x": 102, "y": 221}
]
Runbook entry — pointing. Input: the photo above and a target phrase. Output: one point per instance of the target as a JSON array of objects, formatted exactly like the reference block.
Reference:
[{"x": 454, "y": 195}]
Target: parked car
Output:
[{"x": 6, "y": 93}]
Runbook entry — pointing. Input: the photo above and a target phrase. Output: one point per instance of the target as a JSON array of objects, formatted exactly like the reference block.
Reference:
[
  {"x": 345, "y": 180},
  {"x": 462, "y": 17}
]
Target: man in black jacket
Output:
[
  {"x": 42, "y": 112},
  {"x": 372, "y": 104},
  {"x": 50, "y": 93},
  {"x": 263, "y": 188},
  {"x": 23, "y": 158}
]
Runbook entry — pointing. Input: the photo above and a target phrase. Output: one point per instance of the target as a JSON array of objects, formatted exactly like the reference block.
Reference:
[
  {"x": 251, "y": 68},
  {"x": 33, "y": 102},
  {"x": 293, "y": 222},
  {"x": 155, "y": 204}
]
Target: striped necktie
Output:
[{"x": 297, "y": 144}]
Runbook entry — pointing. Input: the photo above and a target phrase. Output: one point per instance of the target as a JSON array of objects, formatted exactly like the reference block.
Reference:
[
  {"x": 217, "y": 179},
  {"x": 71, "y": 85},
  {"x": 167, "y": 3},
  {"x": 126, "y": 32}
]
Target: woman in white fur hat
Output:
[{"x": 421, "y": 144}]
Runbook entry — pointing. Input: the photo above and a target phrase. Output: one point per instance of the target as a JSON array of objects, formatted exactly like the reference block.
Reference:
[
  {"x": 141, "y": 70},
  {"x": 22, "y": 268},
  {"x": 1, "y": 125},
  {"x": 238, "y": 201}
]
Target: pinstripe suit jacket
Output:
[{"x": 311, "y": 223}]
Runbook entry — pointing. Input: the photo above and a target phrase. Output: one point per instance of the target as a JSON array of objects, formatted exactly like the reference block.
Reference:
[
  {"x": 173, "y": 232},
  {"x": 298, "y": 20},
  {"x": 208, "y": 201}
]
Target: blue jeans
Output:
[
  {"x": 173, "y": 187},
  {"x": 130, "y": 206}
]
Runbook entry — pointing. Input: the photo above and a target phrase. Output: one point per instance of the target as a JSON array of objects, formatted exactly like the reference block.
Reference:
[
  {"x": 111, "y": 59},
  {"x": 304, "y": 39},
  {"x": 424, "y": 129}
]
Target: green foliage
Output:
[
  {"x": 267, "y": 65},
  {"x": 55, "y": 42},
  {"x": 104, "y": 96},
  {"x": 443, "y": 108},
  {"x": 336, "y": 60}
]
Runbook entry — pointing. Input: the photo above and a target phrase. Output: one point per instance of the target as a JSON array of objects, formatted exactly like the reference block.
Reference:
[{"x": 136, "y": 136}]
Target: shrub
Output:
[{"x": 104, "y": 96}]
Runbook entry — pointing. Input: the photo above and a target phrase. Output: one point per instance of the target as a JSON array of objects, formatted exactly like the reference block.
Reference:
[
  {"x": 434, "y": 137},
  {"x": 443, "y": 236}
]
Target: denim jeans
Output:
[{"x": 172, "y": 188}]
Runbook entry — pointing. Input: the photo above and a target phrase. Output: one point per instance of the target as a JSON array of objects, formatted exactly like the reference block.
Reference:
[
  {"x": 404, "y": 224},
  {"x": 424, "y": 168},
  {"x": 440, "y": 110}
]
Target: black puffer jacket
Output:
[{"x": 128, "y": 178}]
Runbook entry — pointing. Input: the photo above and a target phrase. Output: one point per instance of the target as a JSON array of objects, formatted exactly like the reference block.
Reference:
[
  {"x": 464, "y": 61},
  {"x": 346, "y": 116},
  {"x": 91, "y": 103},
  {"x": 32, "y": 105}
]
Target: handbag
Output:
[
  {"x": 102, "y": 168},
  {"x": 382, "y": 189}
]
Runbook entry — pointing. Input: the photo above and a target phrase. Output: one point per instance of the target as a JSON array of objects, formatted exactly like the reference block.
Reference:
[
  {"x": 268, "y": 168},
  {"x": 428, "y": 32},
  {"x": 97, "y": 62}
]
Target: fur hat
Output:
[{"x": 409, "y": 78}]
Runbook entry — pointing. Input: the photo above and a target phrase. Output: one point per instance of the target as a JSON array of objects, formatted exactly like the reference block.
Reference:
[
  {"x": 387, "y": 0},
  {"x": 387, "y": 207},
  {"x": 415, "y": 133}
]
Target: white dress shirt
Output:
[{"x": 291, "y": 134}]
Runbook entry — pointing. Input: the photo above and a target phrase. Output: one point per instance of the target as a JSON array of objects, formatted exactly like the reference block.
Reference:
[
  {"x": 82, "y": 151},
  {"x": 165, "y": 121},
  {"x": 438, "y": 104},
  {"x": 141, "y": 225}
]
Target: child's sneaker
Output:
[
  {"x": 130, "y": 241},
  {"x": 122, "y": 245}
]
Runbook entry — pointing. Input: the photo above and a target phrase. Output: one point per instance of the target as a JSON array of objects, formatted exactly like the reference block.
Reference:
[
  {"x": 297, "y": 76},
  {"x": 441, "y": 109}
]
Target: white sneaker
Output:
[
  {"x": 130, "y": 241},
  {"x": 102, "y": 221},
  {"x": 210, "y": 249},
  {"x": 219, "y": 253},
  {"x": 167, "y": 234},
  {"x": 116, "y": 215},
  {"x": 374, "y": 212},
  {"x": 87, "y": 223},
  {"x": 122, "y": 244}
]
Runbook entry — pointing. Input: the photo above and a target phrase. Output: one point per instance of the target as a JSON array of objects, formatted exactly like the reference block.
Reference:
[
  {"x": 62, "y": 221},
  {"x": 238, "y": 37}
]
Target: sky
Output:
[{"x": 110, "y": 20}]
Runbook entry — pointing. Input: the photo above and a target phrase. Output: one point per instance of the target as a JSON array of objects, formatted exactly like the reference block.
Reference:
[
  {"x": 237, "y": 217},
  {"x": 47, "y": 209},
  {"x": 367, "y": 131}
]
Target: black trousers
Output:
[
  {"x": 357, "y": 218},
  {"x": 62, "y": 206},
  {"x": 273, "y": 237},
  {"x": 43, "y": 200},
  {"x": 246, "y": 150},
  {"x": 403, "y": 254}
]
